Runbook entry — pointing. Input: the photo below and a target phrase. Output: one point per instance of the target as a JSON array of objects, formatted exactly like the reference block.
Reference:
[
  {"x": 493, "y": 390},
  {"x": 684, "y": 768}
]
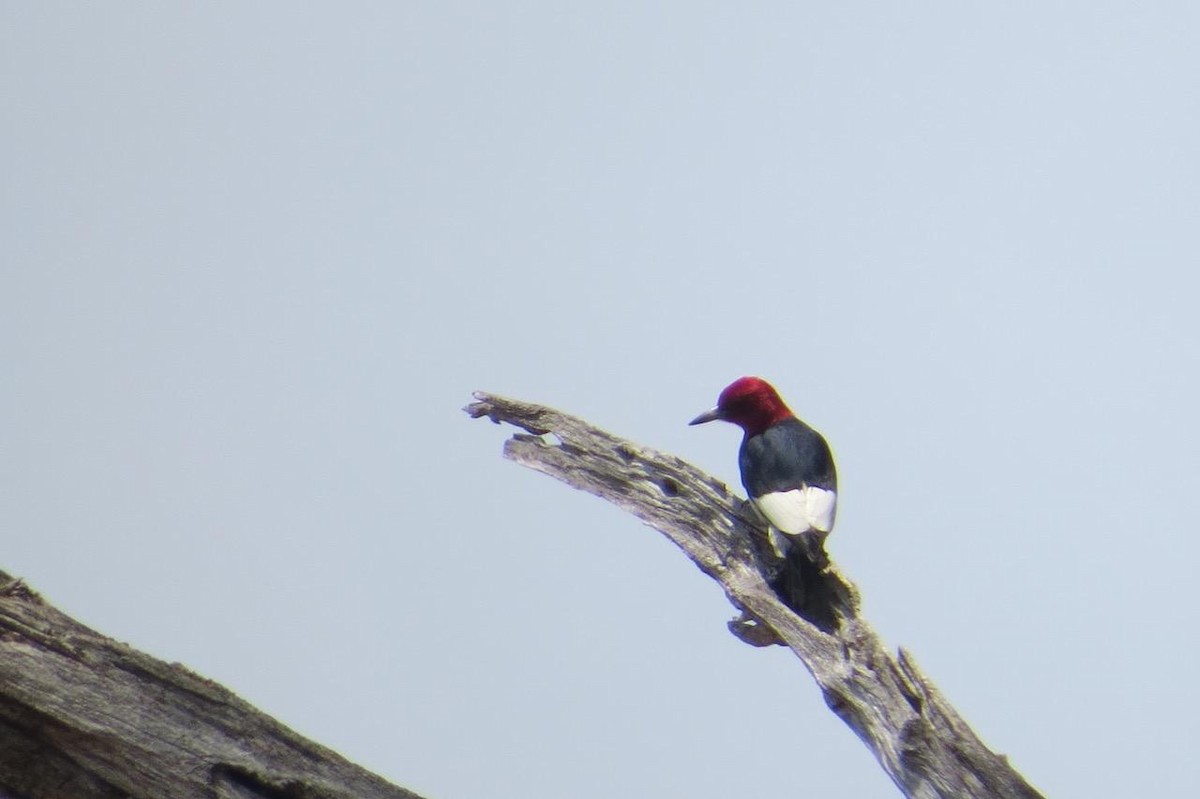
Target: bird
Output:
[{"x": 786, "y": 466}]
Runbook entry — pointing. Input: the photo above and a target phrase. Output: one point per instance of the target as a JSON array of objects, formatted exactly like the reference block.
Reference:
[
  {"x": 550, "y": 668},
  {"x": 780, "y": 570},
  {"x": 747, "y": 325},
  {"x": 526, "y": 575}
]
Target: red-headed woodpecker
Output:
[{"x": 786, "y": 466}]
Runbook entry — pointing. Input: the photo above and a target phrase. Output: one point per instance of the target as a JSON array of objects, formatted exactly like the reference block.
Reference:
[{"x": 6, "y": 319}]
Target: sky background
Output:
[{"x": 257, "y": 256}]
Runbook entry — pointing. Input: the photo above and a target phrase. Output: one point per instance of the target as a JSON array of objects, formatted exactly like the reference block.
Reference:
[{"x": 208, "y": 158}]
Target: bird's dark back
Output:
[{"x": 786, "y": 456}]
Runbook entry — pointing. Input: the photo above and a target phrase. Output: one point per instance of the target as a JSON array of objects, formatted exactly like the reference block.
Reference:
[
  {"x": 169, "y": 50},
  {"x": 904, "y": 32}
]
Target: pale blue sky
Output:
[{"x": 257, "y": 257}]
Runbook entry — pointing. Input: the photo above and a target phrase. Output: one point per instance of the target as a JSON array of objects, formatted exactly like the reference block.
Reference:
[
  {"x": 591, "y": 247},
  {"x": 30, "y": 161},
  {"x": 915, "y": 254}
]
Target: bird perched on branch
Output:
[{"x": 787, "y": 468}]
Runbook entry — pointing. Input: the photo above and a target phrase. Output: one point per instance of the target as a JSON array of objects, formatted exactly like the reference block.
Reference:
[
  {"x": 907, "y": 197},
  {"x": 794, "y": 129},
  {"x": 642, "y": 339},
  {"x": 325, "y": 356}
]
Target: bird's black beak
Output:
[{"x": 707, "y": 416}]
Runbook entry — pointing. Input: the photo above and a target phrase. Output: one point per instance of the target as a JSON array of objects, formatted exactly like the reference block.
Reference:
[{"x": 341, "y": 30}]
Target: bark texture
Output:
[
  {"x": 85, "y": 717},
  {"x": 805, "y": 604}
]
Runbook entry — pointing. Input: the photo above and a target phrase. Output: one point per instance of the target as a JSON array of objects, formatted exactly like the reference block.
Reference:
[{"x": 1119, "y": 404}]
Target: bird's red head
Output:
[{"x": 749, "y": 402}]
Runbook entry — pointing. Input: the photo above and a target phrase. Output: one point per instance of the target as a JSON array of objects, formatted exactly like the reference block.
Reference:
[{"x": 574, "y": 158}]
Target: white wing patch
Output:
[{"x": 800, "y": 510}]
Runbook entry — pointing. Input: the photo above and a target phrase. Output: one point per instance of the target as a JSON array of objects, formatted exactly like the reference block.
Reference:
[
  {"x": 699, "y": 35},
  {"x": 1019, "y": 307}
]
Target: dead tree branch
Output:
[
  {"x": 917, "y": 736},
  {"x": 85, "y": 717}
]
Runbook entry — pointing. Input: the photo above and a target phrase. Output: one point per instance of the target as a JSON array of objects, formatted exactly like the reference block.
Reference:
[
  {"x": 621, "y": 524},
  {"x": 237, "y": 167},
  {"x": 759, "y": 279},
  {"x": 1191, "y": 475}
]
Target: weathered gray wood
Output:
[
  {"x": 83, "y": 717},
  {"x": 917, "y": 736}
]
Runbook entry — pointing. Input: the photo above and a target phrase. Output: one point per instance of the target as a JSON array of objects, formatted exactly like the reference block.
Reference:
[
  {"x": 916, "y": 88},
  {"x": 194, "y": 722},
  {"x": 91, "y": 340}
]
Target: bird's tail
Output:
[{"x": 800, "y": 580}]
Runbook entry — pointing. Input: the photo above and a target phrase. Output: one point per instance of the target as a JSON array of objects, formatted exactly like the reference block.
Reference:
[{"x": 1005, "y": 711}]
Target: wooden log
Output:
[{"x": 85, "y": 717}]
